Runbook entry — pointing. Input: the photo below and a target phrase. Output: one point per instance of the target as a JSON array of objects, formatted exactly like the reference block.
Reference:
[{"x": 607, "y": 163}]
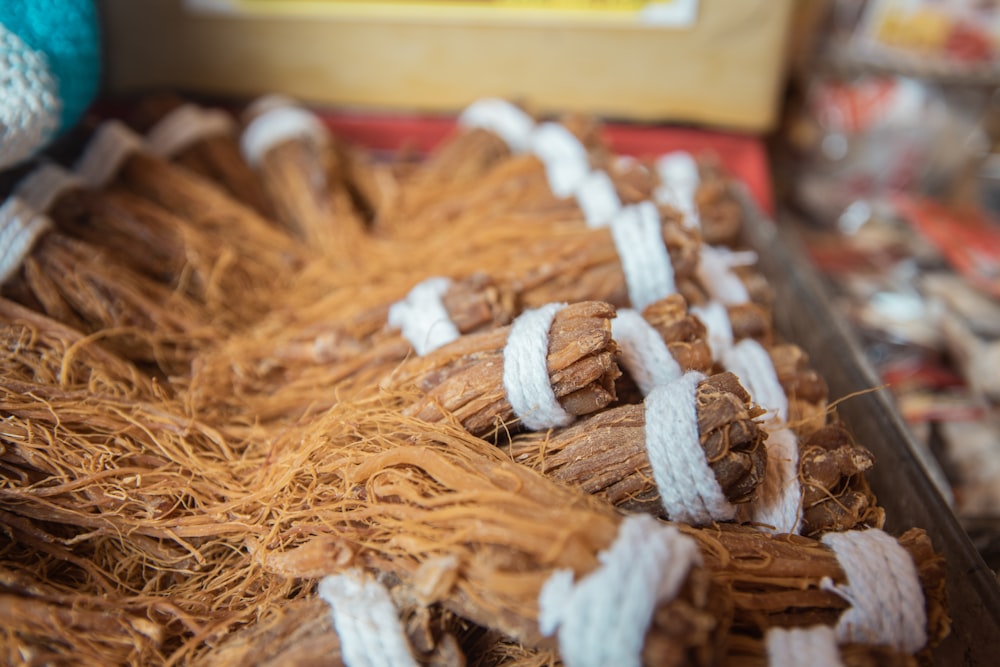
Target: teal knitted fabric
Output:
[{"x": 50, "y": 64}]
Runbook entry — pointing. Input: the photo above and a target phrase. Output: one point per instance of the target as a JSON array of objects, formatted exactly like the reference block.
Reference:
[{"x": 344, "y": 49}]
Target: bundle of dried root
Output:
[
  {"x": 88, "y": 289},
  {"x": 292, "y": 364},
  {"x": 606, "y": 454},
  {"x": 720, "y": 210},
  {"x": 465, "y": 380},
  {"x": 40, "y": 350},
  {"x": 203, "y": 140},
  {"x": 304, "y": 177}
]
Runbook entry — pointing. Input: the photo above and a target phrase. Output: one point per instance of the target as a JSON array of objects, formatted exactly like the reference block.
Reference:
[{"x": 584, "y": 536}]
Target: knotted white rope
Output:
[
  {"x": 752, "y": 364},
  {"x": 688, "y": 488},
  {"x": 278, "y": 125},
  {"x": 638, "y": 236},
  {"x": 564, "y": 157},
  {"x": 679, "y": 181},
  {"x": 715, "y": 317},
  {"x": 422, "y": 317},
  {"x": 43, "y": 186},
  {"x": 883, "y": 587},
  {"x": 366, "y": 621},
  {"x": 715, "y": 271},
  {"x": 187, "y": 125},
  {"x": 20, "y": 227},
  {"x": 602, "y": 618},
  {"x": 794, "y": 647},
  {"x": 502, "y": 118},
  {"x": 598, "y": 199},
  {"x": 111, "y": 144},
  {"x": 525, "y": 370},
  {"x": 778, "y": 504},
  {"x": 643, "y": 353}
]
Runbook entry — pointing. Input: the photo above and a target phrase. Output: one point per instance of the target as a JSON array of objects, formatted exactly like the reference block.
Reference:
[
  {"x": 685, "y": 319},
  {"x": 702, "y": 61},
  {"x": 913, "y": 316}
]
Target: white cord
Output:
[
  {"x": 794, "y": 647},
  {"x": 883, "y": 587},
  {"x": 278, "y": 125},
  {"x": 501, "y": 118},
  {"x": 422, "y": 317},
  {"x": 525, "y": 370},
  {"x": 715, "y": 317},
  {"x": 366, "y": 621},
  {"x": 602, "y": 618},
  {"x": 187, "y": 125},
  {"x": 778, "y": 506},
  {"x": 598, "y": 199},
  {"x": 111, "y": 144},
  {"x": 43, "y": 186},
  {"x": 30, "y": 103},
  {"x": 638, "y": 236},
  {"x": 679, "y": 181},
  {"x": 643, "y": 353},
  {"x": 752, "y": 364},
  {"x": 688, "y": 488},
  {"x": 716, "y": 274},
  {"x": 20, "y": 227},
  {"x": 565, "y": 158}
]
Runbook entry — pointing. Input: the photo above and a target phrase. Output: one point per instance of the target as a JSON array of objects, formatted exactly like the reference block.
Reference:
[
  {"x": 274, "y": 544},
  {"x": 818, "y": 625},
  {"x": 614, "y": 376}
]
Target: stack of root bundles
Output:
[{"x": 270, "y": 399}]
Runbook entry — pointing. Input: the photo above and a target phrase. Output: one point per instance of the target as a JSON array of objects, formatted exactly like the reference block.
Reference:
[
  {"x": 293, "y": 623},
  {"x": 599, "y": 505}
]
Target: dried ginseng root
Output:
[
  {"x": 456, "y": 521},
  {"x": 290, "y": 365},
  {"x": 552, "y": 364},
  {"x": 87, "y": 289},
  {"x": 301, "y": 171},
  {"x": 118, "y": 157},
  {"x": 203, "y": 140},
  {"x": 39, "y": 349},
  {"x": 790, "y": 581},
  {"x": 630, "y": 456}
]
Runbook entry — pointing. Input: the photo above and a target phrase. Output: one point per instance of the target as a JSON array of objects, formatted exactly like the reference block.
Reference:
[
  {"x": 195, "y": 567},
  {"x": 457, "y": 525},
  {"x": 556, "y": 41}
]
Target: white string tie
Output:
[
  {"x": 366, "y": 621},
  {"x": 638, "y": 237},
  {"x": 598, "y": 199},
  {"x": 564, "y": 157},
  {"x": 265, "y": 103},
  {"x": 111, "y": 144},
  {"x": 602, "y": 618},
  {"x": 716, "y": 273},
  {"x": 525, "y": 370},
  {"x": 278, "y": 125},
  {"x": 20, "y": 227},
  {"x": 883, "y": 587},
  {"x": 688, "y": 488},
  {"x": 422, "y": 317},
  {"x": 643, "y": 353},
  {"x": 501, "y": 118},
  {"x": 42, "y": 187},
  {"x": 715, "y": 317},
  {"x": 750, "y": 361},
  {"x": 679, "y": 180},
  {"x": 778, "y": 506},
  {"x": 794, "y": 647},
  {"x": 187, "y": 125}
]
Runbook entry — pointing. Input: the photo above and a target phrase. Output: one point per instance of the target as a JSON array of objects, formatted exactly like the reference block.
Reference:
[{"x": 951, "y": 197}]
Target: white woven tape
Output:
[
  {"x": 20, "y": 227},
  {"x": 715, "y": 317},
  {"x": 41, "y": 188},
  {"x": 638, "y": 236},
  {"x": 598, "y": 199},
  {"x": 644, "y": 355},
  {"x": 602, "y": 618},
  {"x": 503, "y": 119},
  {"x": 689, "y": 490},
  {"x": 564, "y": 157},
  {"x": 679, "y": 181},
  {"x": 280, "y": 124},
  {"x": 366, "y": 621},
  {"x": 525, "y": 370},
  {"x": 716, "y": 274},
  {"x": 883, "y": 588},
  {"x": 110, "y": 146},
  {"x": 422, "y": 317},
  {"x": 187, "y": 125}
]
